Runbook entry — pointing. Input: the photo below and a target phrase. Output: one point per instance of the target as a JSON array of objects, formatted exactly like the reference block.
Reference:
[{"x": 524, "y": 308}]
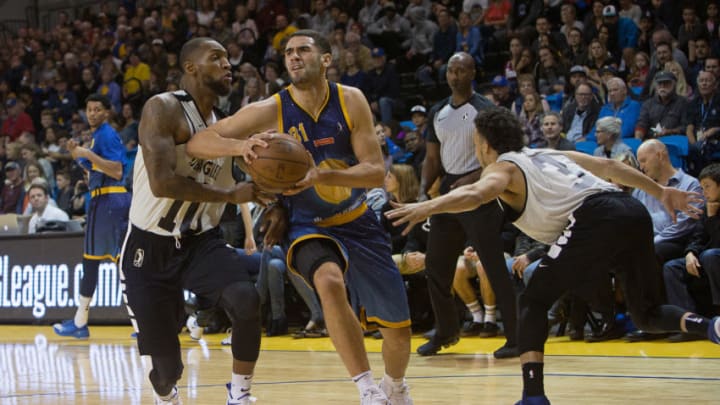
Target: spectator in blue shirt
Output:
[
  {"x": 624, "y": 28},
  {"x": 619, "y": 105}
]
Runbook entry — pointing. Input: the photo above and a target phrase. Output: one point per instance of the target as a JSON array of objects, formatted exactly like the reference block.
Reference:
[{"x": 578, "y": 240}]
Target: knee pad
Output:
[
  {"x": 241, "y": 301},
  {"x": 165, "y": 373}
]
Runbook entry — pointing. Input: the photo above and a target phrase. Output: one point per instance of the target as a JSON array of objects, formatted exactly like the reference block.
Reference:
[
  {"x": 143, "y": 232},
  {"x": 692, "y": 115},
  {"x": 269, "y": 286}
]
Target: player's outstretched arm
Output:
[
  {"x": 617, "y": 172},
  {"x": 230, "y": 136},
  {"x": 494, "y": 182},
  {"x": 158, "y": 128}
]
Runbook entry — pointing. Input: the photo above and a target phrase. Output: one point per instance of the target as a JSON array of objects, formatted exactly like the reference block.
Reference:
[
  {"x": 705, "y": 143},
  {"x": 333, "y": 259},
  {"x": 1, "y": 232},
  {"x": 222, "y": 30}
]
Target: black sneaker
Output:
[
  {"x": 506, "y": 352},
  {"x": 471, "y": 328},
  {"x": 435, "y": 344},
  {"x": 490, "y": 329},
  {"x": 278, "y": 327}
]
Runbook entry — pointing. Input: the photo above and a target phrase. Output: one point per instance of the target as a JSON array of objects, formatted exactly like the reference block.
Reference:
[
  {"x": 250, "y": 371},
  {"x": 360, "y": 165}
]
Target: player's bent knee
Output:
[
  {"x": 241, "y": 300},
  {"x": 165, "y": 373},
  {"x": 328, "y": 278}
]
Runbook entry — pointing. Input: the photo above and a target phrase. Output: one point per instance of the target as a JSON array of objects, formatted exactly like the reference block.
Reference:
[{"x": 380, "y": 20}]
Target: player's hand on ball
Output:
[
  {"x": 274, "y": 225},
  {"x": 246, "y": 150},
  {"x": 311, "y": 178}
]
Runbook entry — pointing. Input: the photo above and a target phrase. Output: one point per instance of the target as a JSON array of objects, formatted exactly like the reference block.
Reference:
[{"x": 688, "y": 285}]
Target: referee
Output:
[{"x": 450, "y": 150}]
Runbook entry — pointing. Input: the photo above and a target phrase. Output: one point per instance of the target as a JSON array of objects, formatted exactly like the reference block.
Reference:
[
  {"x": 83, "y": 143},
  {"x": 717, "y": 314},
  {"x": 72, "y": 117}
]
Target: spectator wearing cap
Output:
[
  {"x": 579, "y": 115},
  {"x": 418, "y": 116},
  {"x": 623, "y": 31},
  {"x": 578, "y": 74},
  {"x": 501, "y": 91},
  {"x": 610, "y": 143},
  {"x": 11, "y": 195},
  {"x": 17, "y": 121},
  {"x": 664, "y": 113},
  {"x": 383, "y": 86},
  {"x": 391, "y": 31},
  {"x": 620, "y": 106}
]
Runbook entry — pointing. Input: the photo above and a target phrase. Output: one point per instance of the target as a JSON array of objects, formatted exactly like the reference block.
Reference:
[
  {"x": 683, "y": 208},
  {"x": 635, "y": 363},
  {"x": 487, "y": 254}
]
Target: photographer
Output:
[{"x": 78, "y": 203}]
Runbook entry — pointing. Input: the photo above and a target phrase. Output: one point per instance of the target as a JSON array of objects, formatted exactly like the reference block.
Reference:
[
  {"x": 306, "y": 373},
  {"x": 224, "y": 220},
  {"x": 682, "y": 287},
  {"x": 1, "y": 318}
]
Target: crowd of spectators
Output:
[{"x": 601, "y": 76}]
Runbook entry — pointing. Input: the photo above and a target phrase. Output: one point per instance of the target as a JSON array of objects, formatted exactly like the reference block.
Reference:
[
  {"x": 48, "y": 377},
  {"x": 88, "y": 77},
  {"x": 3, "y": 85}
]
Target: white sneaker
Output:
[
  {"x": 374, "y": 396},
  {"x": 245, "y": 399},
  {"x": 174, "y": 398},
  {"x": 227, "y": 341},
  {"x": 397, "y": 396},
  {"x": 196, "y": 331}
]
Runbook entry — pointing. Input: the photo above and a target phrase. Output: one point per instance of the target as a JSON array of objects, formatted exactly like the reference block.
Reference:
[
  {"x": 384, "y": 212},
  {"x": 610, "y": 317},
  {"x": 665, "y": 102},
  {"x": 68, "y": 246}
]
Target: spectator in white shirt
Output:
[{"x": 42, "y": 211}]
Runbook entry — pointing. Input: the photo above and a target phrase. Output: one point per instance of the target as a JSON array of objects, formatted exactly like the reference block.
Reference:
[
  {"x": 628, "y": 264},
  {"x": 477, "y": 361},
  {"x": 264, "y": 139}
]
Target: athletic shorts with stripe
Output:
[{"x": 375, "y": 286}]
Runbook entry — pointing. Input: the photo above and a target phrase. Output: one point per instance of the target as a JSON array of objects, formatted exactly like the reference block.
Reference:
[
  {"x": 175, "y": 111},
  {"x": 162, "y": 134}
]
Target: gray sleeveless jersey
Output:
[
  {"x": 556, "y": 186},
  {"x": 169, "y": 217}
]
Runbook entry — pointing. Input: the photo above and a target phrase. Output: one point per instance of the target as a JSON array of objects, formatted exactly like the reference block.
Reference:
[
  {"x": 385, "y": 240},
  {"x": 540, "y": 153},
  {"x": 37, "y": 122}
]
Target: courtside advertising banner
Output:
[{"x": 40, "y": 281}]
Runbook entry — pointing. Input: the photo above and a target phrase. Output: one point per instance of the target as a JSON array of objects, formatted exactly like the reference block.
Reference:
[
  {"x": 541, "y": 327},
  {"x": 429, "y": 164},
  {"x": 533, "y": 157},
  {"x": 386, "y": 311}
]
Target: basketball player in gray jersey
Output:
[
  {"x": 174, "y": 242},
  {"x": 562, "y": 199}
]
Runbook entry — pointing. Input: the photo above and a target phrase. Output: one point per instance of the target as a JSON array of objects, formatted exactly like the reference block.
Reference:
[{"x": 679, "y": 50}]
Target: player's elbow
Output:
[
  {"x": 377, "y": 176},
  {"x": 160, "y": 187}
]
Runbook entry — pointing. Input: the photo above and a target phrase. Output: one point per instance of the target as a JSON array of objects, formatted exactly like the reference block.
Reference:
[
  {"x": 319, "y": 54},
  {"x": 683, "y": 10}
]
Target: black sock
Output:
[
  {"x": 697, "y": 325},
  {"x": 533, "y": 379}
]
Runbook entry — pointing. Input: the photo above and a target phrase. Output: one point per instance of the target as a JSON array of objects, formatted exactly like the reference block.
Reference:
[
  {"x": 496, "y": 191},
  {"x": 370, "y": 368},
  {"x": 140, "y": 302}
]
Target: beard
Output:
[{"x": 219, "y": 87}]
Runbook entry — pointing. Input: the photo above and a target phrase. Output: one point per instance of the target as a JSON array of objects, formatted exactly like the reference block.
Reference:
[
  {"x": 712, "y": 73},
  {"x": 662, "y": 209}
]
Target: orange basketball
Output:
[{"x": 279, "y": 166}]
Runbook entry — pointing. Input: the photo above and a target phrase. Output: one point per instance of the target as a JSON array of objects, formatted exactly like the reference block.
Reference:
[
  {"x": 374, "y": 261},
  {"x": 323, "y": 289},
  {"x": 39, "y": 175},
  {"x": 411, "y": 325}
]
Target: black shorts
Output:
[{"x": 155, "y": 272}]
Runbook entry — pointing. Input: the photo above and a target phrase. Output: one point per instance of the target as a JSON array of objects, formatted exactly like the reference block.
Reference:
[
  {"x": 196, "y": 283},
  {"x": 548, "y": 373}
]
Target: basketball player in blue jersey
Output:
[
  {"x": 108, "y": 214},
  {"x": 334, "y": 241},
  {"x": 174, "y": 241},
  {"x": 562, "y": 199}
]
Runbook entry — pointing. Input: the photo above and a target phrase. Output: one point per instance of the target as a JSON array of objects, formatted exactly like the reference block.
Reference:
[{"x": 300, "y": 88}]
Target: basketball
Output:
[{"x": 279, "y": 166}]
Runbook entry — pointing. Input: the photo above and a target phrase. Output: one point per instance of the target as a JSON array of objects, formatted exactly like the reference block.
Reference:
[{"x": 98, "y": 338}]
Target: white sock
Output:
[
  {"x": 240, "y": 385},
  {"x": 476, "y": 311},
  {"x": 396, "y": 383},
  {"x": 490, "y": 313},
  {"x": 364, "y": 381},
  {"x": 81, "y": 315}
]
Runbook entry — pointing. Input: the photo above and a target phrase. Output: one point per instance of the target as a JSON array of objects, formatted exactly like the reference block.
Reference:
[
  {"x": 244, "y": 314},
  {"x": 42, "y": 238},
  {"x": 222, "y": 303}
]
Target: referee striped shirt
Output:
[{"x": 453, "y": 128}]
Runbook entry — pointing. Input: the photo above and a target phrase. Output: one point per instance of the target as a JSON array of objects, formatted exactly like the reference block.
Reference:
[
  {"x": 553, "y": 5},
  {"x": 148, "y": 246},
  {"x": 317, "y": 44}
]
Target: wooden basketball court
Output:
[{"x": 37, "y": 367}]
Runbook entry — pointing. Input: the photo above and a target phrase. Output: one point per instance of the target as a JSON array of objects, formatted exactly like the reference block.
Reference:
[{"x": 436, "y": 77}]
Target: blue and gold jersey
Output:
[
  {"x": 327, "y": 137},
  {"x": 106, "y": 143}
]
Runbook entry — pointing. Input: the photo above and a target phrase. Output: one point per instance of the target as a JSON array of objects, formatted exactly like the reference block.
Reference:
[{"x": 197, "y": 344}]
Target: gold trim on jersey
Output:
[
  {"x": 343, "y": 217},
  {"x": 343, "y": 108},
  {"x": 288, "y": 256},
  {"x": 324, "y": 103},
  {"x": 108, "y": 190},
  {"x": 103, "y": 257},
  {"x": 278, "y": 100}
]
